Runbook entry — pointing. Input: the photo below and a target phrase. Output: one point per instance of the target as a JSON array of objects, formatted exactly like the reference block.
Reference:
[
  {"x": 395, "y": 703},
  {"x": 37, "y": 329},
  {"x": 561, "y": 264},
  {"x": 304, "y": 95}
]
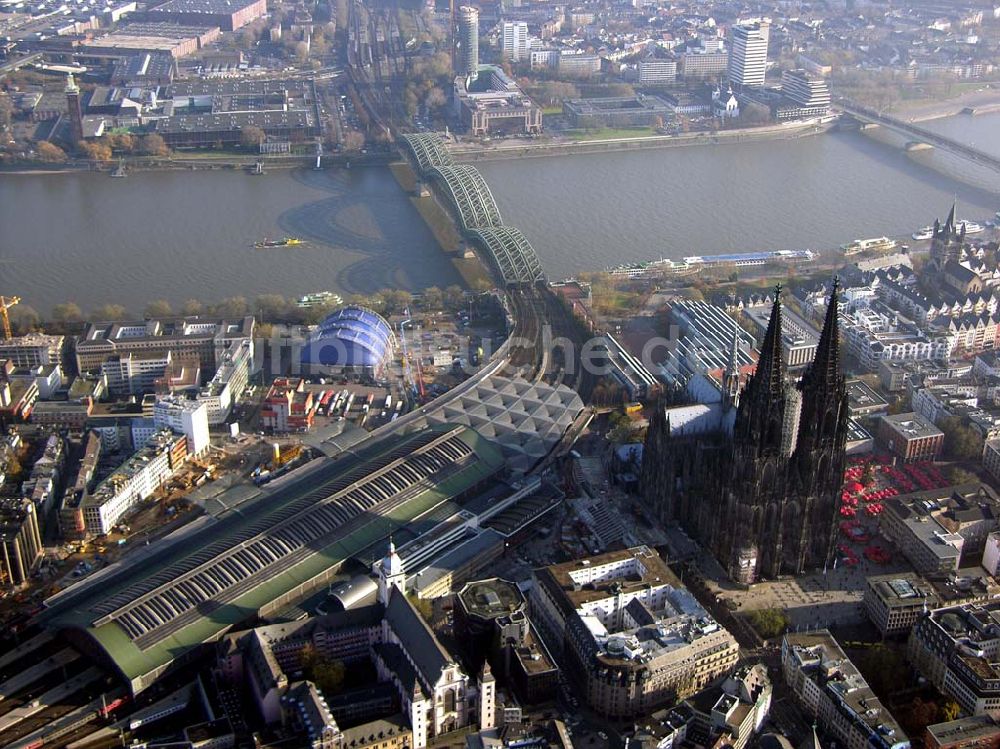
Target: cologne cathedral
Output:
[{"x": 756, "y": 475}]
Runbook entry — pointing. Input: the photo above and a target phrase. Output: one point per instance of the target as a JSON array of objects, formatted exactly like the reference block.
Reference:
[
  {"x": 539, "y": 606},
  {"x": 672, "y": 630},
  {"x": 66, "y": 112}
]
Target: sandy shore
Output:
[{"x": 984, "y": 100}]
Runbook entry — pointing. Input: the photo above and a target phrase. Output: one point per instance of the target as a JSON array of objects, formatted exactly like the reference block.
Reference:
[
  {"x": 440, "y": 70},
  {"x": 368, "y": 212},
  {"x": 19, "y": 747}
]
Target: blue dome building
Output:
[{"x": 352, "y": 339}]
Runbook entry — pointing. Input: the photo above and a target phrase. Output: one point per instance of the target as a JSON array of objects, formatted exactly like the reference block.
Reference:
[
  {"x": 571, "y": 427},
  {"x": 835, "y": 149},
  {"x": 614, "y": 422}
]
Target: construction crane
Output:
[{"x": 6, "y": 302}]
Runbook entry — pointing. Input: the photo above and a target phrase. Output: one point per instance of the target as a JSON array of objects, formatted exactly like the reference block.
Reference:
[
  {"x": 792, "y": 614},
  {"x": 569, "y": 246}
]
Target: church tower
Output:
[
  {"x": 390, "y": 574},
  {"x": 818, "y": 461},
  {"x": 759, "y": 420},
  {"x": 948, "y": 242},
  {"x": 487, "y": 699},
  {"x": 75, "y": 111}
]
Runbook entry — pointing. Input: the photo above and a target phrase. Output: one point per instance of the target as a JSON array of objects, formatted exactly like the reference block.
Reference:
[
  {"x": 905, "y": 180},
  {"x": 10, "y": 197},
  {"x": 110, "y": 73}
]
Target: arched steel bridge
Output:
[
  {"x": 428, "y": 150},
  {"x": 513, "y": 256},
  {"x": 471, "y": 195}
]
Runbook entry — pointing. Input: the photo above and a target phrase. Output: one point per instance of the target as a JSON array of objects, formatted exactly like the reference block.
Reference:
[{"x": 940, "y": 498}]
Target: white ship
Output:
[
  {"x": 926, "y": 233},
  {"x": 971, "y": 227}
]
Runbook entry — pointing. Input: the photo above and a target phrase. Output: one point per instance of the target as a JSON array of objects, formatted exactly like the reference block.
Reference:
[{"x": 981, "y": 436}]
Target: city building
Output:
[
  {"x": 732, "y": 712},
  {"x": 491, "y": 622},
  {"x": 140, "y": 620},
  {"x": 229, "y": 381},
  {"x": 656, "y": 70},
  {"x": 758, "y": 479},
  {"x": 633, "y": 637},
  {"x": 956, "y": 649},
  {"x": 492, "y": 102},
  {"x": 700, "y": 65},
  {"x": 133, "y": 482},
  {"x": 831, "y": 690},
  {"x": 893, "y": 603},
  {"x": 434, "y": 694},
  {"x": 515, "y": 41},
  {"x": 748, "y": 54},
  {"x": 288, "y": 406},
  {"x": 628, "y": 111},
  {"x": 864, "y": 402},
  {"x": 798, "y": 338},
  {"x": 910, "y": 437},
  {"x": 32, "y": 350},
  {"x": 207, "y": 111},
  {"x": 575, "y": 64},
  {"x": 71, "y": 522},
  {"x": 972, "y": 732},
  {"x": 804, "y": 95},
  {"x": 20, "y": 541},
  {"x": 704, "y": 342},
  {"x": 228, "y": 15},
  {"x": 351, "y": 340},
  {"x": 205, "y": 339},
  {"x": 186, "y": 417},
  {"x": 44, "y": 485},
  {"x": 467, "y": 58}
]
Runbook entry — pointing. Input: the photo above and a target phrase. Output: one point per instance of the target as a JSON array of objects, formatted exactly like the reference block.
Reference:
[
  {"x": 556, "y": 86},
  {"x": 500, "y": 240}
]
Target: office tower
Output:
[
  {"x": 468, "y": 42},
  {"x": 748, "y": 54}
]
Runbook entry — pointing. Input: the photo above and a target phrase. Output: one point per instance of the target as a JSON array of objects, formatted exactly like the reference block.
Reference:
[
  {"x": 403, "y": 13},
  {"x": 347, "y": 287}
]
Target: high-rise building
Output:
[
  {"x": 748, "y": 54},
  {"x": 515, "y": 41},
  {"x": 755, "y": 474},
  {"x": 805, "y": 89},
  {"x": 467, "y": 60}
]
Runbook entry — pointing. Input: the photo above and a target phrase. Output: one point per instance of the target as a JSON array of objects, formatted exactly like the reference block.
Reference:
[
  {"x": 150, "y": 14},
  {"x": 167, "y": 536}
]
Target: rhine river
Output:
[{"x": 188, "y": 235}]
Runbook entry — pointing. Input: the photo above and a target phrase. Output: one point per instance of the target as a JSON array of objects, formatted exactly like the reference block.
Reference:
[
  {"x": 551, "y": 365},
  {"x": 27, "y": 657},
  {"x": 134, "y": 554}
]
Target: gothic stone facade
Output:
[{"x": 763, "y": 494}]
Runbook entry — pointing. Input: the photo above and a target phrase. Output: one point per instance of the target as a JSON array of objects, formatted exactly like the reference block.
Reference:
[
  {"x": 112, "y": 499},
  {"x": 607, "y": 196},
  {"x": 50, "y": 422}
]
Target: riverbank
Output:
[
  {"x": 520, "y": 149},
  {"x": 206, "y": 162},
  {"x": 979, "y": 102},
  {"x": 439, "y": 220}
]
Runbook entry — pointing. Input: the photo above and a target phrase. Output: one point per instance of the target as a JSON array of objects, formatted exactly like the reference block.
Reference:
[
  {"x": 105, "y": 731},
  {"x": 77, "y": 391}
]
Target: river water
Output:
[
  {"x": 189, "y": 235},
  {"x": 182, "y": 235}
]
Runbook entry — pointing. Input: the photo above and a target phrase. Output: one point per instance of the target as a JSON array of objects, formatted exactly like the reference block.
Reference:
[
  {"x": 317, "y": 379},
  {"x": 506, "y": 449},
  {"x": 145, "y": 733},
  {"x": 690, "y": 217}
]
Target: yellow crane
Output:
[{"x": 6, "y": 302}]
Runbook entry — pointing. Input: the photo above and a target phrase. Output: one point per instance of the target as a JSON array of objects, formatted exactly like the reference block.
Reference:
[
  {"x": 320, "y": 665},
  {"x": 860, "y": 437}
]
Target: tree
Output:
[
  {"x": 192, "y": 308},
  {"x": 271, "y": 306},
  {"x": 50, "y": 152},
  {"x": 110, "y": 312},
  {"x": 153, "y": 145},
  {"x": 433, "y": 298},
  {"x": 454, "y": 296},
  {"x": 958, "y": 475},
  {"x": 621, "y": 430},
  {"x": 329, "y": 676},
  {"x": 435, "y": 98},
  {"x": 234, "y": 306},
  {"x": 884, "y": 668},
  {"x": 948, "y": 711},
  {"x": 94, "y": 150},
  {"x": 960, "y": 442},
  {"x": 124, "y": 142},
  {"x": 24, "y": 319},
  {"x": 6, "y": 112},
  {"x": 768, "y": 623},
  {"x": 353, "y": 140},
  {"x": 397, "y": 300},
  {"x": 13, "y": 466},
  {"x": 251, "y": 136},
  {"x": 67, "y": 312},
  {"x": 158, "y": 308}
]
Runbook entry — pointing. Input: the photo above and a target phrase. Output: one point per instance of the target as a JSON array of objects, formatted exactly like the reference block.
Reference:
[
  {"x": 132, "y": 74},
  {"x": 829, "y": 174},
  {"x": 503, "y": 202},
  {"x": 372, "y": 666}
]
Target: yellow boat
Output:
[{"x": 286, "y": 242}]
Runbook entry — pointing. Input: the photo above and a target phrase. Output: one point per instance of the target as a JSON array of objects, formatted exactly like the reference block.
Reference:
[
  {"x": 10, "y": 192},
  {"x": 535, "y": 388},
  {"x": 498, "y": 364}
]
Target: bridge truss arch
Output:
[
  {"x": 428, "y": 150},
  {"x": 471, "y": 196},
  {"x": 513, "y": 256}
]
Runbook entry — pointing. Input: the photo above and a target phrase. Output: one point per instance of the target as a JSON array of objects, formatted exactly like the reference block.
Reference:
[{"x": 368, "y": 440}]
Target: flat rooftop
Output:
[
  {"x": 491, "y": 598},
  {"x": 912, "y": 425}
]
